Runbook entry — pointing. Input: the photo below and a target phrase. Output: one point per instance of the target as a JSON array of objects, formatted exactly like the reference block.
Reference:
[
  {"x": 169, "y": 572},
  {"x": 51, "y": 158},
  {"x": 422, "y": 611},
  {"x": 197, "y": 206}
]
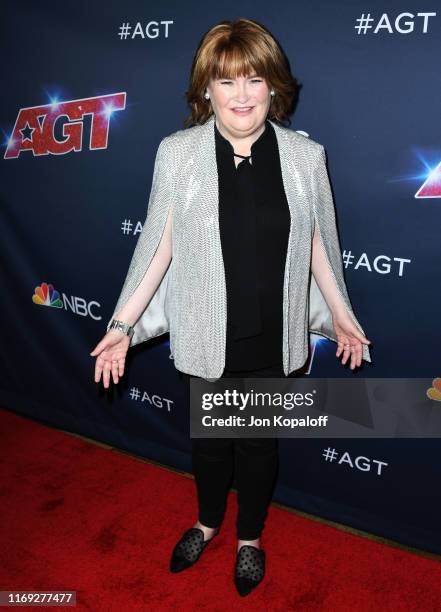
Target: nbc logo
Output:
[
  {"x": 434, "y": 392},
  {"x": 46, "y": 295}
]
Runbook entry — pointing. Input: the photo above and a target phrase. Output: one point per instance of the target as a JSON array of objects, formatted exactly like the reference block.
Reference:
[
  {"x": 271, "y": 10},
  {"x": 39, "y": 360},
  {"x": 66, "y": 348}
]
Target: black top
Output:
[{"x": 254, "y": 222}]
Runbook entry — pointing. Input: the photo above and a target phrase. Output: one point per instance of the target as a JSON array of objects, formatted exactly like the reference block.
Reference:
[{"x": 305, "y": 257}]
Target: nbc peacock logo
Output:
[
  {"x": 434, "y": 392},
  {"x": 46, "y": 295}
]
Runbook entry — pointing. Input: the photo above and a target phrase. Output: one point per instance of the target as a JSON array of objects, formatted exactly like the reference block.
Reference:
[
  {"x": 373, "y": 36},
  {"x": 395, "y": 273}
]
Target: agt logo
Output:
[
  {"x": 431, "y": 188},
  {"x": 35, "y": 126},
  {"x": 46, "y": 295}
]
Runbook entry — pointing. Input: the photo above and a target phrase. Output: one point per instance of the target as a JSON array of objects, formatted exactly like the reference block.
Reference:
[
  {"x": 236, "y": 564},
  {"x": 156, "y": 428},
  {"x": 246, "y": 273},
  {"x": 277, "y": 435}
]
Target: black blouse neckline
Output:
[{"x": 257, "y": 144}]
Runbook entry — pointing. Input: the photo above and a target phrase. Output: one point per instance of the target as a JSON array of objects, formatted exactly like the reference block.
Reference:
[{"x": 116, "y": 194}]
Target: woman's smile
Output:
[{"x": 242, "y": 110}]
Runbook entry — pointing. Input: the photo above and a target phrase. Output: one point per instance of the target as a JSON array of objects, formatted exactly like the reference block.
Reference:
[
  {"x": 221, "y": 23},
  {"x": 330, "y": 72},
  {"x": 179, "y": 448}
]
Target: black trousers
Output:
[{"x": 253, "y": 461}]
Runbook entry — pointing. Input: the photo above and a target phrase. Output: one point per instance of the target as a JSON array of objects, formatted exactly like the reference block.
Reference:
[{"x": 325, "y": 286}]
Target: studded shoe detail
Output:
[
  {"x": 250, "y": 568},
  {"x": 189, "y": 548}
]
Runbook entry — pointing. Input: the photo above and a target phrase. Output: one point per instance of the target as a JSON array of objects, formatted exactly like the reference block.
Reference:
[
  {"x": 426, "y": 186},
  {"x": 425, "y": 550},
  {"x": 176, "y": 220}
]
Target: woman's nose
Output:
[{"x": 242, "y": 94}]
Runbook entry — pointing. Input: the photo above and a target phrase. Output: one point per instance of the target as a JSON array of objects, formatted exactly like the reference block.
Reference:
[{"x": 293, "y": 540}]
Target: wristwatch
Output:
[{"x": 121, "y": 326}]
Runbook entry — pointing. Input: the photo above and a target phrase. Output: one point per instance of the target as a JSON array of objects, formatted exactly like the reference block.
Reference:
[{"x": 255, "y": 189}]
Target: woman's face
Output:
[{"x": 240, "y": 105}]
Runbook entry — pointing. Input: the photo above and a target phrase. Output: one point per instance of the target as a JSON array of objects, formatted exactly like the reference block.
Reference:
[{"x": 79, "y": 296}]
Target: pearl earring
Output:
[
  {"x": 207, "y": 97},
  {"x": 272, "y": 92}
]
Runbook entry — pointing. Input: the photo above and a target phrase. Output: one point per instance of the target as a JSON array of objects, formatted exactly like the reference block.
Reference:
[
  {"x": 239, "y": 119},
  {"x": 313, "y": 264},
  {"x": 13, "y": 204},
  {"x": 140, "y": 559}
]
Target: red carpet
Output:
[{"x": 79, "y": 517}]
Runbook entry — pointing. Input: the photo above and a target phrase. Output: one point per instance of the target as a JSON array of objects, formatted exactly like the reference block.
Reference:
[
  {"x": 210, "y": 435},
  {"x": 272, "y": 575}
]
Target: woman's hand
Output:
[
  {"x": 110, "y": 355},
  {"x": 350, "y": 339}
]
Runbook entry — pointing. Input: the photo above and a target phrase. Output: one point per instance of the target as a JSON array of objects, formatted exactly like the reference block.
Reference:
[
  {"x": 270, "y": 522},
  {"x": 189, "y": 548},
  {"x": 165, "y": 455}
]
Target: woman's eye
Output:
[{"x": 230, "y": 82}]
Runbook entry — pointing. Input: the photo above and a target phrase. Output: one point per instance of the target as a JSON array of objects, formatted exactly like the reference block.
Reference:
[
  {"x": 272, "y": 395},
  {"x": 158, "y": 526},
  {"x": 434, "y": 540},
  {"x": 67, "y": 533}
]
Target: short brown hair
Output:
[{"x": 240, "y": 47}]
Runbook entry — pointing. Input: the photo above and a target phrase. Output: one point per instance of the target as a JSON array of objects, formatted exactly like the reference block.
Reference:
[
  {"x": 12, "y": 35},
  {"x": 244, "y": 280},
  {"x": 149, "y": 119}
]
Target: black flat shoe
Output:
[
  {"x": 250, "y": 568},
  {"x": 189, "y": 548}
]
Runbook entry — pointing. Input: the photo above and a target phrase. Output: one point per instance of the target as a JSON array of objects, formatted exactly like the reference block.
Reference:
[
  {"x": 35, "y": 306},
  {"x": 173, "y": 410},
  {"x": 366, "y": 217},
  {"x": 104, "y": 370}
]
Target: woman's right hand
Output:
[{"x": 110, "y": 355}]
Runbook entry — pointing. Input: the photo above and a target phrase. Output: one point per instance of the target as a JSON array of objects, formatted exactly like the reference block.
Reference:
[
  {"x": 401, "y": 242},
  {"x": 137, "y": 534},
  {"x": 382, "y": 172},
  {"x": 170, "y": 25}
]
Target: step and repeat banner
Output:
[{"x": 89, "y": 90}]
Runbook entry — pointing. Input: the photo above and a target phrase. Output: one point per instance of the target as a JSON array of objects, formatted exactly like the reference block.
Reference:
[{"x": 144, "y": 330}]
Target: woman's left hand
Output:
[{"x": 350, "y": 339}]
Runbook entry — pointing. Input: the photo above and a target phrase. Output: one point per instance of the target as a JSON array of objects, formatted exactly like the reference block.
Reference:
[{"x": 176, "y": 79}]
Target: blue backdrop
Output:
[{"x": 88, "y": 93}]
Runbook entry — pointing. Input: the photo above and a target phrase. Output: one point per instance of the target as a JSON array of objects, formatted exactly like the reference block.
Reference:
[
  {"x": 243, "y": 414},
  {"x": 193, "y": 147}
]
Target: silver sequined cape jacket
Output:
[{"x": 190, "y": 301}]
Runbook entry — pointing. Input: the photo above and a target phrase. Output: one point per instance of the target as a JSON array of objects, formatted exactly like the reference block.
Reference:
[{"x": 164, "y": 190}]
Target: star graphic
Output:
[{"x": 26, "y": 132}]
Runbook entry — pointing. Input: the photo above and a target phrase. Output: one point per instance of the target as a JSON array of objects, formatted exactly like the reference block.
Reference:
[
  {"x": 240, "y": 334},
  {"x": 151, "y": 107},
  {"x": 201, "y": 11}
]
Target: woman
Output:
[{"x": 238, "y": 259}]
